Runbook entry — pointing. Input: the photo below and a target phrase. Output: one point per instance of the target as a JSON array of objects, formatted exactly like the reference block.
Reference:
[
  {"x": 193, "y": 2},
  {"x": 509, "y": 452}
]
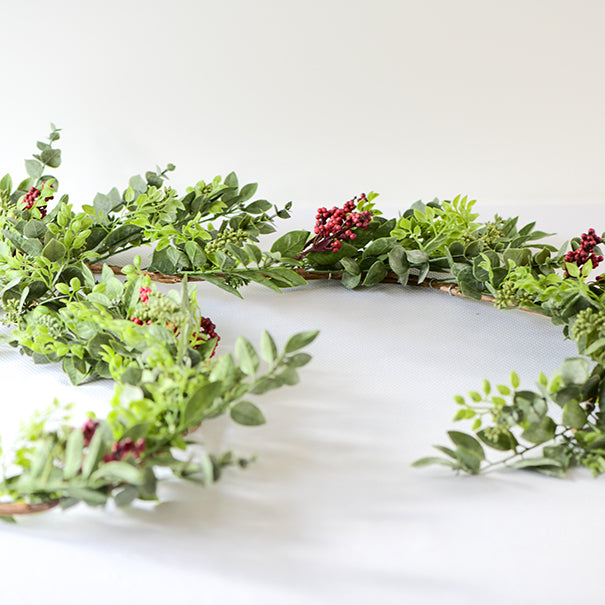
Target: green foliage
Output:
[
  {"x": 153, "y": 345},
  {"x": 163, "y": 391},
  {"x": 524, "y": 425}
]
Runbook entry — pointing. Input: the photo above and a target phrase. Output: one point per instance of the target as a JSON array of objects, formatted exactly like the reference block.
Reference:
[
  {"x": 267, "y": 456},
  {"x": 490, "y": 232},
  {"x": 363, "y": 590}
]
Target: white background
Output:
[{"x": 318, "y": 101}]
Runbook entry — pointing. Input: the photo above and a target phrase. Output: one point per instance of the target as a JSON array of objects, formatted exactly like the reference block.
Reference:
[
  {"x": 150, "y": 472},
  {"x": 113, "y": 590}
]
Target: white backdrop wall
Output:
[{"x": 316, "y": 100}]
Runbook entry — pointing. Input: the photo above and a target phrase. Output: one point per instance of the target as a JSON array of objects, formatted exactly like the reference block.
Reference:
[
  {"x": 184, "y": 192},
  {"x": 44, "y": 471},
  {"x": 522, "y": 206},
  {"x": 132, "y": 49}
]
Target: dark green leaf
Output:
[
  {"x": 247, "y": 413},
  {"x": 195, "y": 254},
  {"x": 350, "y": 265},
  {"x": 398, "y": 261},
  {"x": 34, "y": 229},
  {"x": 376, "y": 273},
  {"x": 350, "y": 281},
  {"x": 467, "y": 442},
  {"x": 533, "y": 405},
  {"x": 199, "y": 402},
  {"x": 258, "y": 207},
  {"x": 247, "y": 191},
  {"x": 291, "y": 244},
  {"x": 502, "y": 439},
  {"x": 379, "y": 247}
]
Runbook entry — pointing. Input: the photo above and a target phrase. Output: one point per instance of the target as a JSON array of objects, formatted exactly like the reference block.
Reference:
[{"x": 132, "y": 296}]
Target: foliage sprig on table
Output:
[{"x": 160, "y": 349}]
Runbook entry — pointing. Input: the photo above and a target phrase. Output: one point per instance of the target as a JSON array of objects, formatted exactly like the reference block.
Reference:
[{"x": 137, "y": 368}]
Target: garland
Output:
[{"x": 161, "y": 351}]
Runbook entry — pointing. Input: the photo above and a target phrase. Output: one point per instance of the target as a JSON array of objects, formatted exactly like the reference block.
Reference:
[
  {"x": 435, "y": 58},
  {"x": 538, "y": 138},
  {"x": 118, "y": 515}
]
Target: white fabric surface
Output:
[{"x": 331, "y": 512}]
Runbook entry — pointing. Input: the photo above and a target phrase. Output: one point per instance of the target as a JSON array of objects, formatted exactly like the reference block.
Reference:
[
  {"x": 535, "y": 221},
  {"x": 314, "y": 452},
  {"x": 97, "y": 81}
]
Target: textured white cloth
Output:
[{"x": 331, "y": 512}]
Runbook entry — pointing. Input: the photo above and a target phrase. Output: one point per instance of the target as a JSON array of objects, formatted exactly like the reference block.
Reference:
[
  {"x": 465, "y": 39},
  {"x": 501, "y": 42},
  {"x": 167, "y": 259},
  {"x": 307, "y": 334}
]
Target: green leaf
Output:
[
  {"x": 94, "y": 455},
  {"x": 74, "y": 449},
  {"x": 291, "y": 244},
  {"x": 350, "y": 266},
  {"x": 231, "y": 180},
  {"x": 350, "y": 281},
  {"x": 122, "y": 236},
  {"x": 573, "y": 415},
  {"x": 31, "y": 247},
  {"x": 247, "y": 413},
  {"x": 6, "y": 183},
  {"x": 34, "y": 229},
  {"x": 519, "y": 256},
  {"x": 422, "y": 462},
  {"x": 533, "y": 405},
  {"x": 324, "y": 259},
  {"x": 468, "y": 443},
  {"x": 469, "y": 286},
  {"x": 74, "y": 370},
  {"x": 254, "y": 252},
  {"x": 195, "y": 254},
  {"x": 514, "y": 380},
  {"x": 258, "y": 207},
  {"x": 118, "y": 472},
  {"x": 200, "y": 402},
  {"x": 169, "y": 261},
  {"x": 300, "y": 340},
  {"x": 547, "y": 466},
  {"x": 502, "y": 439},
  {"x": 246, "y": 355},
  {"x": 126, "y": 496},
  {"x": 90, "y": 496},
  {"x": 247, "y": 191},
  {"x": 398, "y": 261},
  {"x": 34, "y": 168},
  {"x": 575, "y": 370},
  {"x": 376, "y": 273},
  {"x": 54, "y": 251},
  {"x": 299, "y": 360},
  {"x": 379, "y": 246},
  {"x": 540, "y": 432},
  {"x": 268, "y": 350},
  {"x": 417, "y": 258},
  {"x": 572, "y": 269},
  {"x": 51, "y": 157}
]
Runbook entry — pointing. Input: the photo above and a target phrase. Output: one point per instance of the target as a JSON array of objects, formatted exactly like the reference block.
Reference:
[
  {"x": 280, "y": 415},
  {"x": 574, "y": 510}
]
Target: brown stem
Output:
[
  {"x": 391, "y": 278},
  {"x": 8, "y": 509}
]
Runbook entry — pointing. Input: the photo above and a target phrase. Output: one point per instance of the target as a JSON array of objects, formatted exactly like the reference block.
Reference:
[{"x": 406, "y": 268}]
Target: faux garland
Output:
[{"x": 161, "y": 350}]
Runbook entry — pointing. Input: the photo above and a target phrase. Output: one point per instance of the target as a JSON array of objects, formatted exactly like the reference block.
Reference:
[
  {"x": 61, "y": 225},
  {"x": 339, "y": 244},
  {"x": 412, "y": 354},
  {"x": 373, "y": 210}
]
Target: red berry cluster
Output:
[
  {"x": 120, "y": 449},
  {"x": 144, "y": 295},
  {"x": 125, "y": 447},
  {"x": 89, "y": 429},
  {"x": 144, "y": 298},
  {"x": 588, "y": 242},
  {"x": 30, "y": 198},
  {"x": 336, "y": 224},
  {"x": 208, "y": 328}
]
